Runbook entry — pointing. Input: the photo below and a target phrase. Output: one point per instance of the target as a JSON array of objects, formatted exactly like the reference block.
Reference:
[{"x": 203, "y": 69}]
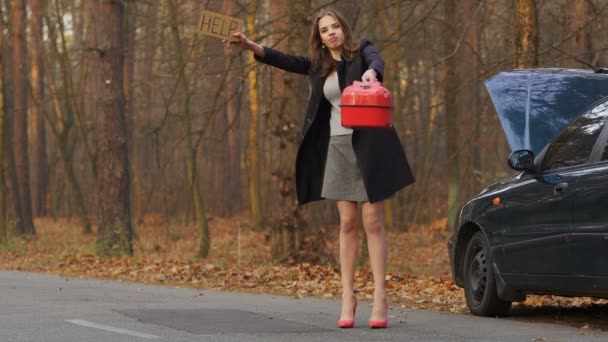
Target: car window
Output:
[
  {"x": 575, "y": 142},
  {"x": 605, "y": 153}
]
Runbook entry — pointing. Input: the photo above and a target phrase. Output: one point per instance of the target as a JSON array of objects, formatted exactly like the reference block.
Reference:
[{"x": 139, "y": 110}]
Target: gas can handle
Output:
[{"x": 367, "y": 85}]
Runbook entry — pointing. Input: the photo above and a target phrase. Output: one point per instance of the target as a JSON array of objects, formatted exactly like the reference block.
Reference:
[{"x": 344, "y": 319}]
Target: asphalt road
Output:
[{"x": 37, "y": 307}]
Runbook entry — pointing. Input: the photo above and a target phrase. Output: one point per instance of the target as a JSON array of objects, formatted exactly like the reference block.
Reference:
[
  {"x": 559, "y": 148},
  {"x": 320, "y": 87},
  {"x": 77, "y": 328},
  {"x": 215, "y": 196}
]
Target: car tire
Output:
[{"x": 479, "y": 282}]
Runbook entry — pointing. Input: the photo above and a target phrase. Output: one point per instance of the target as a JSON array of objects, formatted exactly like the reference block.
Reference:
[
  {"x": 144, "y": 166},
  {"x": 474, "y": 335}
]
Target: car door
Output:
[
  {"x": 541, "y": 206},
  {"x": 590, "y": 217},
  {"x": 535, "y": 221},
  {"x": 590, "y": 222}
]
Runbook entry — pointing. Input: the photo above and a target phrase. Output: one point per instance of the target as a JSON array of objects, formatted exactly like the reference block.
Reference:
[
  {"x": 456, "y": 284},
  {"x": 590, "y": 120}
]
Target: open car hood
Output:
[{"x": 534, "y": 105}]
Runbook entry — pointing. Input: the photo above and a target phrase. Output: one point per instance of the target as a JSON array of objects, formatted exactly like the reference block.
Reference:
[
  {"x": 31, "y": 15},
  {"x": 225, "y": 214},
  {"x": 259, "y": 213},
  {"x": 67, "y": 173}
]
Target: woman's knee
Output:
[
  {"x": 349, "y": 222},
  {"x": 349, "y": 218},
  {"x": 373, "y": 218},
  {"x": 373, "y": 224}
]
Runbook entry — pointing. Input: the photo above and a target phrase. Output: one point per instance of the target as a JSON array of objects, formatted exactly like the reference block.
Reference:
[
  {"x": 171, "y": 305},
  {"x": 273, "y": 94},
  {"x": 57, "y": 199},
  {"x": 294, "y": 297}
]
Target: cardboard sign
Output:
[{"x": 219, "y": 26}]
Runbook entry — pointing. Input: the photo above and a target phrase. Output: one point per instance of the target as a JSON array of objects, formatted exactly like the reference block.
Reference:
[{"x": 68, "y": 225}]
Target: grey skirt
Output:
[{"x": 342, "y": 178}]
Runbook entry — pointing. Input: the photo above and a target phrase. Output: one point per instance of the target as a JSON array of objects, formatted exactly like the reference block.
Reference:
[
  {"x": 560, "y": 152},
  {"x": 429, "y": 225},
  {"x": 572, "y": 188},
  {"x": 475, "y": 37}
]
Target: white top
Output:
[{"x": 331, "y": 91}]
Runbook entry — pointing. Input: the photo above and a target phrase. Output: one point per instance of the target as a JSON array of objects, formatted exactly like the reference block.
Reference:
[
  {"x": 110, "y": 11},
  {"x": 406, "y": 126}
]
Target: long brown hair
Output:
[{"x": 320, "y": 57}]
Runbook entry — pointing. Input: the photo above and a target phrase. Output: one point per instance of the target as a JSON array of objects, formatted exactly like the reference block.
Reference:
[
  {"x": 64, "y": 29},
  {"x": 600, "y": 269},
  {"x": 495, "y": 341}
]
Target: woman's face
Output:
[{"x": 331, "y": 33}]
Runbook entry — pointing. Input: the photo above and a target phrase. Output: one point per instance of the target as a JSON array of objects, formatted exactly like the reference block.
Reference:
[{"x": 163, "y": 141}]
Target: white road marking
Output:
[{"x": 112, "y": 329}]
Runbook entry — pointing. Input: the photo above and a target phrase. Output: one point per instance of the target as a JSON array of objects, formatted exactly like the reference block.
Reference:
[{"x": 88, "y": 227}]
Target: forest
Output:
[{"x": 117, "y": 113}]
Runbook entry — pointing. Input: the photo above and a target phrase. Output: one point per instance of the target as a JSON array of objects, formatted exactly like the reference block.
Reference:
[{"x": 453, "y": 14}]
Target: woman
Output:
[{"x": 342, "y": 164}]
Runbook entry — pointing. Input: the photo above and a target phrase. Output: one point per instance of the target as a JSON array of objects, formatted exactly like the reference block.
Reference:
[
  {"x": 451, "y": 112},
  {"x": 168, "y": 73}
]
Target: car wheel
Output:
[{"x": 479, "y": 283}]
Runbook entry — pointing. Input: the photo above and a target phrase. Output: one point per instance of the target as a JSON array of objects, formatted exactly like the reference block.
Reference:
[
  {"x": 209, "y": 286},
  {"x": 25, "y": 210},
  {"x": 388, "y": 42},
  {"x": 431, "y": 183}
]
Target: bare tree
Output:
[
  {"x": 468, "y": 104},
  {"x": 233, "y": 186},
  {"x": 186, "y": 122},
  {"x": 129, "y": 30},
  {"x": 284, "y": 234},
  {"x": 144, "y": 154},
  {"x": 115, "y": 234},
  {"x": 65, "y": 111},
  {"x": 13, "y": 204},
  {"x": 581, "y": 47},
  {"x": 390, "y": 18},
  {"x": 3, "y": 226},
  {"x": 452, "y": 130},
  {"x": 20, "y": 139},
  {"x": 526, "y": 34},
  {"x": 253, "y": 154},
  {"x": 87, "y": 108},
  {"x": 39, "y": 160}
]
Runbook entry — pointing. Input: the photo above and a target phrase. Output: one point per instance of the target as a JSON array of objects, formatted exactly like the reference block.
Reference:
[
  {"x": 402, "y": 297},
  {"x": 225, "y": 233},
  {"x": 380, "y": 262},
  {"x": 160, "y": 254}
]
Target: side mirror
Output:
[{"x": 521, "y": 160}]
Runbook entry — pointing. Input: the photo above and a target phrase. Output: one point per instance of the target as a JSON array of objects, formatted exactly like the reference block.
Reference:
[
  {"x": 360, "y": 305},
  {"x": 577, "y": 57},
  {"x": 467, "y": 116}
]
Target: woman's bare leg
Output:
[
  {"x": 349, "y": 247},
  {"x": 373, "y": 222}
]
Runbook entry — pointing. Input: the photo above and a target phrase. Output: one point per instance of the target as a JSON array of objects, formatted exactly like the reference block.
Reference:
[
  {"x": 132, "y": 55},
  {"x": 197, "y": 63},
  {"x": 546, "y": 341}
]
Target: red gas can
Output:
[{"x": 366, "y": 106}]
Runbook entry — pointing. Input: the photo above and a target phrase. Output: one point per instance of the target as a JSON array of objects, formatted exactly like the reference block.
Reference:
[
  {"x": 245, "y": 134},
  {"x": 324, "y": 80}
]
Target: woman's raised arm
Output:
[
  {"x": 266, "y": 55},
  {"x": 245, "y": 43}
]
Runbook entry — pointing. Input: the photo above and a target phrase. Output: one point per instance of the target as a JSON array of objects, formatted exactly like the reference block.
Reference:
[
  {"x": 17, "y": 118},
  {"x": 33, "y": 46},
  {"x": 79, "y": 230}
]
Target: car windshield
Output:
[{"x": 573, "y": 146}]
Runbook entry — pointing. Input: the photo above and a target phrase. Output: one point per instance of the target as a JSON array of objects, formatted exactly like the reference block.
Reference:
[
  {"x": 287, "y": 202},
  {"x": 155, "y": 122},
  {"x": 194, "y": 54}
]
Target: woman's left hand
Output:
[{"x": 369, "y": 76}]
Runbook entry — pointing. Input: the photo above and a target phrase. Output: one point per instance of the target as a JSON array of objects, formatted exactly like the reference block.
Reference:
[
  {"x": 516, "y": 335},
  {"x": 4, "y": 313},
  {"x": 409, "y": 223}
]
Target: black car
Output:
[{"x": 543, "y": 230}]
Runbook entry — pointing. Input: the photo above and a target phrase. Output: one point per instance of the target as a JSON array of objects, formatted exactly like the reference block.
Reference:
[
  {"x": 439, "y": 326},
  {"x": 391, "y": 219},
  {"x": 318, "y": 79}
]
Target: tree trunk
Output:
[
  {"x": 87, "y": 106},
  {"x": 142, "y": 146},
  {"x": 13, "y": 200},
  {"x": 61, "y": 127},
  {"x": 129, "y": 57},
  {"x": 3, "y": 226},
  {"x": 39, "y": 162},
  {"x": 218, "y": 165},
  {"x": 233, "y": 187},
  {"x": 130, "y": 10},
  {"x": 20, "y": 141},
  {"x": 114, "y": 237},
  {"x": 427, "y": 164},
  {"x": 284, "y": 234},
  {"x": 390, "y": 29},
  {"x": 253, "y": 152},
  {"x": 411, "y": 115},
  {"x": 61, "y": 132},
  {"x": 186, "y": 121},
  {"x": 12, "y": 208},
  {"x": 526, "y": 34},
  {"x": 581, "y": 47},
  {"x": 78, "y": 13},
  {"x": 219, "y": 158},
  {"x": 468, "y": 103},
  {"x": 452, "y": 130},
  {"x": 504, "y": 44}
]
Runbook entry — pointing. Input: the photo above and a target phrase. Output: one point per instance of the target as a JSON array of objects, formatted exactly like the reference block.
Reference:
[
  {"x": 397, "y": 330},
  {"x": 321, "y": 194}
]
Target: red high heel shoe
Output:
[
  {"x": 348, "y": 323},
  {"x": 380, "y": 324}
]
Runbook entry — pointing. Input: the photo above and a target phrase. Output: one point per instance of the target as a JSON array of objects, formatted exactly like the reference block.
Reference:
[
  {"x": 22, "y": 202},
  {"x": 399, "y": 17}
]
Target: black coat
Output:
[{"x": 383, "y": 164}]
